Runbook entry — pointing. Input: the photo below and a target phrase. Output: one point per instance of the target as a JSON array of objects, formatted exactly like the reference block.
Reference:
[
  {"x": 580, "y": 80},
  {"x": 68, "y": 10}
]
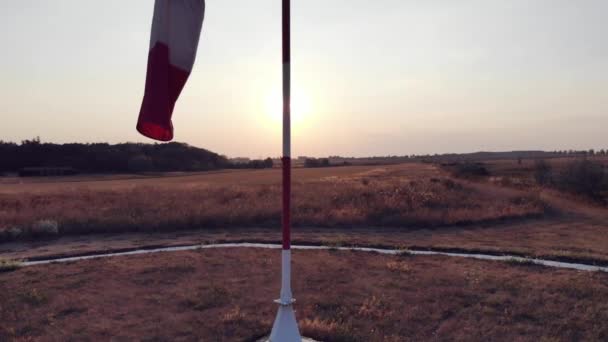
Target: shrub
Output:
[
  {"x": 584, "y": 177},
  {"x": 45, "y": 228},
  {"x": 542, "y": 172},
  {"x": 470, "y": 170},
  {"x": 10, "y": 233}
]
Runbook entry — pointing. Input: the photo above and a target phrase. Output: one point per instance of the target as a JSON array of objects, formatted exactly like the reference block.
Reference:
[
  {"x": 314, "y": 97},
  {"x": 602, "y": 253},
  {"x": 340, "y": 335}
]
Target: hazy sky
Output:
[{"x": 370, "y": 77}]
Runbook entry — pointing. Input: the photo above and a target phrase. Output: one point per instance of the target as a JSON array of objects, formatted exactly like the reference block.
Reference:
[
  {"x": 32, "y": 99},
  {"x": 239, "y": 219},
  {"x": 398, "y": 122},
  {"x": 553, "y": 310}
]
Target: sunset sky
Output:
[{"x": 388, "y": 77}]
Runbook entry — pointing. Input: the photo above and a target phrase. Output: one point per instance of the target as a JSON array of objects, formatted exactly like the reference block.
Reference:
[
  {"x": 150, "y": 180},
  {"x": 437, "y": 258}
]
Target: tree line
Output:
[{"x": 108, "y": 158}]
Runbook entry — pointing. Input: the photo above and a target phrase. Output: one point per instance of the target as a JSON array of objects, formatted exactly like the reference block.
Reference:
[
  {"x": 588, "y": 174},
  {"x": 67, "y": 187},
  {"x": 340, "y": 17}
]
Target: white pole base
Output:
[{"x": 285, "y": 328}]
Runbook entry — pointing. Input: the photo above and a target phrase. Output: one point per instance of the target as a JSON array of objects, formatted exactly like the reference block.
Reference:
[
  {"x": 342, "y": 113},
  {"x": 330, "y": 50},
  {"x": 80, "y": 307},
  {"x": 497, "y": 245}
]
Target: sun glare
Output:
[{"x": 300, "y": 106}]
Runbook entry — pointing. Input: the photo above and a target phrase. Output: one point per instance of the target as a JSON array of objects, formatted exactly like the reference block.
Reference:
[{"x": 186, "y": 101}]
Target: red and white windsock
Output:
[{"x": 176, "y": 29}]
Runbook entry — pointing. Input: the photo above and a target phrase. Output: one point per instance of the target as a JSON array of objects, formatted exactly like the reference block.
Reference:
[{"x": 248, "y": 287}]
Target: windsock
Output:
[{"x": 176, "y": 29}]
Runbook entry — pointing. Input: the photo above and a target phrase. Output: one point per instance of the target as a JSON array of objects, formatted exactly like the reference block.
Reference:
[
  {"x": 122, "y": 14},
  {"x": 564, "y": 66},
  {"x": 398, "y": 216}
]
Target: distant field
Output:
[
  {"x": 226, "y": 295},
  {"x": 408, "y": 195},
  {"x": 222, "y": 177}
]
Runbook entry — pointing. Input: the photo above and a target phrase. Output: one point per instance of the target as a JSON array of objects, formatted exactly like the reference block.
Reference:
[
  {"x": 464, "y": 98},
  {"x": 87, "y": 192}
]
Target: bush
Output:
[
  {"x": 542, "y": 172},
  {"x": 9, "y": 233},
  {"x": 45, "y": 228},
  {"x": 584, "y": 177},
  {"x": 14, "y": 232},
  {"x": 470, "y": 170}
]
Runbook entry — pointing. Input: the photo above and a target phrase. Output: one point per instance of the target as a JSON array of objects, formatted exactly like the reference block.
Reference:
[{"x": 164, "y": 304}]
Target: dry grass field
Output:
[
  {"x": 12, "y": 185},
  {"x": 409, "y": 196},
  {"x": 408, "y": 205},
  {"x": 226, "y": 295}
]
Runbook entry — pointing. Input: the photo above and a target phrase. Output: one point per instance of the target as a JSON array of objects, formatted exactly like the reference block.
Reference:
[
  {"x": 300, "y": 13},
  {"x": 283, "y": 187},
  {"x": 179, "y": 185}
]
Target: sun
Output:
[{"x": 300, "y": 106}]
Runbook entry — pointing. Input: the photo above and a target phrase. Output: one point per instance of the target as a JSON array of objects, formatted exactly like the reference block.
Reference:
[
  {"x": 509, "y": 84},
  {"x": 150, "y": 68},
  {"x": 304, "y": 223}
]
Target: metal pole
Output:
[{"x": 285, "y": 328}]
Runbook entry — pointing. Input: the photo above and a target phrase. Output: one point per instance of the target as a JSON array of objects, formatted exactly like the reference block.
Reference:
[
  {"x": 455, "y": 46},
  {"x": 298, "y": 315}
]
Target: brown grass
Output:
[
  {"x": 577, "y": 230},
  {"x": 16, "y": 185},
  {"x": 562, "y": 237},
  {"x": 342, "y": 296},
  {"x": 377, "y": 197}
]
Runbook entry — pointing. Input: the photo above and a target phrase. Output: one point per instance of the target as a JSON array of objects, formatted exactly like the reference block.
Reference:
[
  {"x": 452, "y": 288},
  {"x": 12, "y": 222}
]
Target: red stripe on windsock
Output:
[
  {"x": 164, "y": 83},
  {"x": 286, "y": 162}
]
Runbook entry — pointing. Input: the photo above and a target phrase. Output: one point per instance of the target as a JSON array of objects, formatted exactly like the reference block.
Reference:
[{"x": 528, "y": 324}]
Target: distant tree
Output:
[
  {"x": 584, "y": 177},
  {"x": 313, "y": 162},
  {"x": 140, "y": 163},
  {"x": 103, "y": 157}
]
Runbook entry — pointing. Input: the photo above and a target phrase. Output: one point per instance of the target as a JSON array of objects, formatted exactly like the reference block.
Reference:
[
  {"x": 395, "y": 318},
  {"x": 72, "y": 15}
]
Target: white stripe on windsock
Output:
[
  {"x": 178, "y": 24},
  {"x": 176, "y": 29}
]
